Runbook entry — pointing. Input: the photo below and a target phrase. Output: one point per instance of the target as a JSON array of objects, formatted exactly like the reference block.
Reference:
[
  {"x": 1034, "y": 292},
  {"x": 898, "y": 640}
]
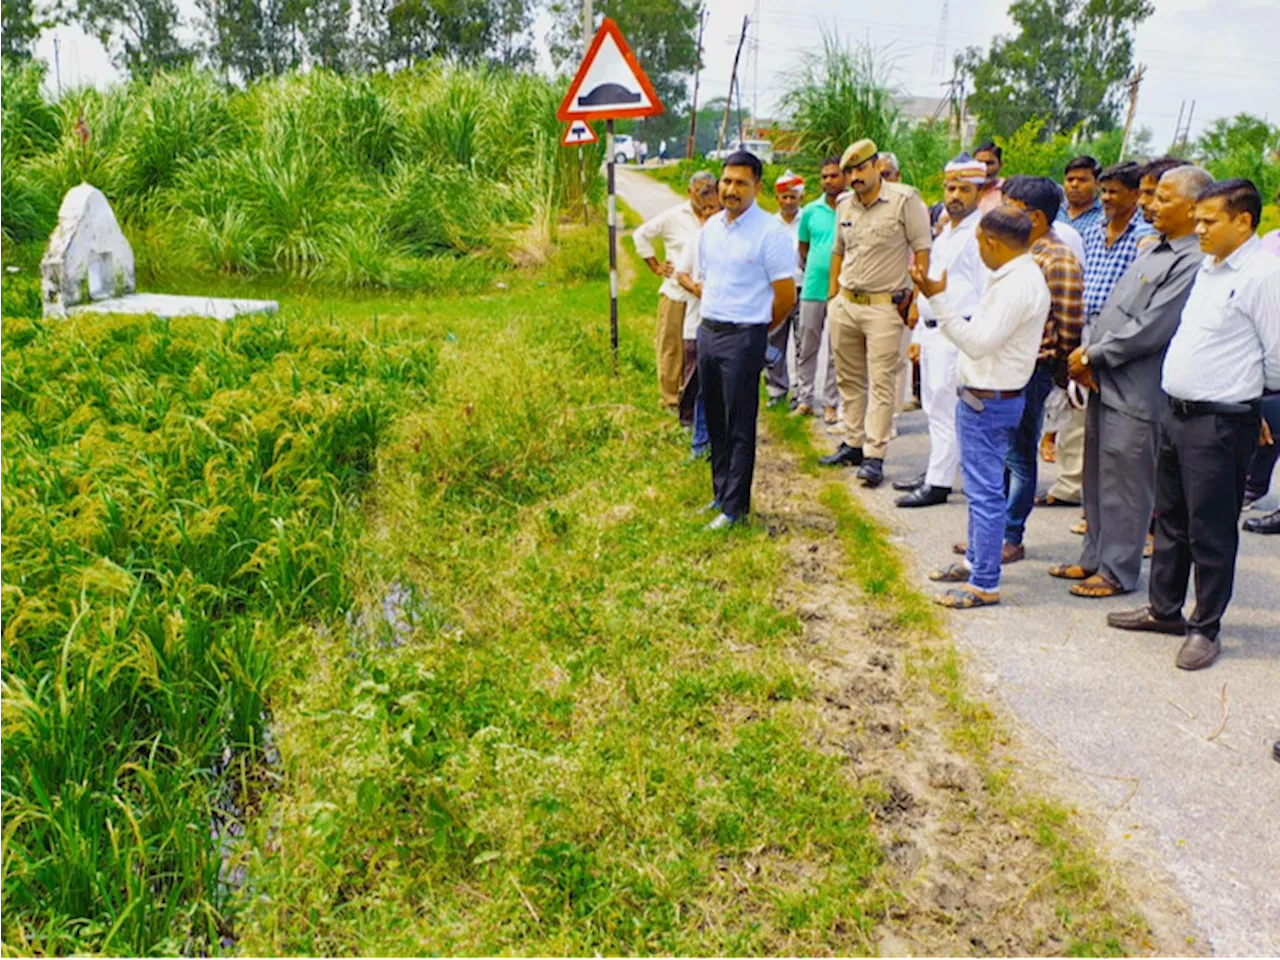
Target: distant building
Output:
[{"x": 917, "y": 110}]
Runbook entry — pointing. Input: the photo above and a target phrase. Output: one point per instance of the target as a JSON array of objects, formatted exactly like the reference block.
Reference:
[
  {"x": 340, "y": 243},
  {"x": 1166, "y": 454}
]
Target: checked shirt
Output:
[
  {"x": 1065, "y": 278},
  {"x": 1104, "y": 265}
]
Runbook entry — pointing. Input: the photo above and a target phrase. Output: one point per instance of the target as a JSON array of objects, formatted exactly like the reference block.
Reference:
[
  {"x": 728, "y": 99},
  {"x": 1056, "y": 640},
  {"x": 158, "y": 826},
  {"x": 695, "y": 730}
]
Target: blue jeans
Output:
[
  {"x": 984, "y": 441},
  {"x": 1022, "y": 460},
  {"x": 701, "y": 439}
]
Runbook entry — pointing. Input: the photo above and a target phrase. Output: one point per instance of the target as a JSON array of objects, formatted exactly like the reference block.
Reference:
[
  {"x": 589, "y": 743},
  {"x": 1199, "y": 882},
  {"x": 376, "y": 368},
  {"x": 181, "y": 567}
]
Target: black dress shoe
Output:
[
  {"x": 1143, "y": 619},
  {"x": 904, "y": 485},
  {"x": 1198, "y": 651},
  {"x": 1268, "y": 524},
  {"x": 845, "y": 456},
  {"x": 924, "y": 496},
  {"x": 871, "y": 473}
]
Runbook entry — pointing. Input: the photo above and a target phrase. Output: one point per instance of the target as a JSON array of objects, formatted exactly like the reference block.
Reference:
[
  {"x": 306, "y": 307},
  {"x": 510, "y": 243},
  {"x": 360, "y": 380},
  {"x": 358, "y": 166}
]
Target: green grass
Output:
[{"x": 595, "y": 740}]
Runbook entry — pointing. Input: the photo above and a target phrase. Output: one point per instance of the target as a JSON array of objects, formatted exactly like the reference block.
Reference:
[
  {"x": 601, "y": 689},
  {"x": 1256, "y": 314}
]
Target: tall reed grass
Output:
[{"x": 364, "y": 181}]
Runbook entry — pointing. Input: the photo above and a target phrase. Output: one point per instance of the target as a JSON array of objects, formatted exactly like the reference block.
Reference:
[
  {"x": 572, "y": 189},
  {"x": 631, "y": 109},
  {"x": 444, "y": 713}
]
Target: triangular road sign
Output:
[
  {"x": 577, "y": 133},
  {"x": 610, "y": 83}
]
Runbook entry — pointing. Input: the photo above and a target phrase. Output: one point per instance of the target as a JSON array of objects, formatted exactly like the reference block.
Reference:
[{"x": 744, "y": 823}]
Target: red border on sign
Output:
[
  {"x": 566, "y": 142},
  {"x": 567, "y": 112}
]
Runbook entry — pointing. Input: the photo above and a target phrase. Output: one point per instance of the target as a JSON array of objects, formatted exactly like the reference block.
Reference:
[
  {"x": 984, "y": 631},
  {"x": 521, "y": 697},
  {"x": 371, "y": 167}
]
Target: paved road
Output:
[{"x": 1141, "y": 743}]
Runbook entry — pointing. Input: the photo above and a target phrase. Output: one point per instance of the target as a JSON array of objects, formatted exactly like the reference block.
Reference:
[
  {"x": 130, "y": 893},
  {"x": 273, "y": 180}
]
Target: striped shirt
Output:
[
  {"x": 1065, "y": 278},
  {"x": 1104, "y": 265},
  {"x": 1227, "y": 347}
]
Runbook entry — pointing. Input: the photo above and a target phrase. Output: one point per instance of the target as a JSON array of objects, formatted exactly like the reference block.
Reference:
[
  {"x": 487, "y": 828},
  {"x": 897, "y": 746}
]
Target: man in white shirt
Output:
[
  {"x": 1224, "y": 356},
  {"x": 788, "y": 189},
  {"x": 998, "y": 350},
  {"x": 955, "y": 253},
  {"x": 675, "y": 227},
  {"x": 748, "y": 288},
  {"x": 693, "y": 411}
]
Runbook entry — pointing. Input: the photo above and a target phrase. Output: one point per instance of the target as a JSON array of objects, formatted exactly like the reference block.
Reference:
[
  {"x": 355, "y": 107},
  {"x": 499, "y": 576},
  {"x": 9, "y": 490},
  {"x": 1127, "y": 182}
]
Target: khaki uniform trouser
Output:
[
  {"x": 866, "y": 341},
  {"x": 1070, "y": 483},
  {"x": 669, "y": 346}
]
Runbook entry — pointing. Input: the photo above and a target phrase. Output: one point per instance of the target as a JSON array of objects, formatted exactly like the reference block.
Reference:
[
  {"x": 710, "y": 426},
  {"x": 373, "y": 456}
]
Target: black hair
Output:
[
  {"x": 1128, "y": 174},
  {"x": 1159, "y": 167},
  {"x": 989, "y": 147},
  {"x": 1083, "y": 162},
  {"x": 831, "y": 161},
  {"x": 1009, "y": 224},
  {"x": 742, "y": 158},
  {"x": 1036, "y": 193},
  {"x": 1240, "y": 196}
]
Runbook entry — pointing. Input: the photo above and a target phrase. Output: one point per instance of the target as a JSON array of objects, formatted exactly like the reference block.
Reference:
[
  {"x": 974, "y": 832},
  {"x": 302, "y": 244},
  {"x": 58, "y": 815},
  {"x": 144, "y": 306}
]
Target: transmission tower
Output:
[{"x": 939, "y": 71}]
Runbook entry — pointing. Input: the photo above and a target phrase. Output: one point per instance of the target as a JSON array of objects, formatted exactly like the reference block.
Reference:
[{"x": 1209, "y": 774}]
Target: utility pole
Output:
[
  {"x": 697, "y": 76},
  {"x": 733, "y": 80},
  {"x": 587, "y": 25},
  {"x": 1134, "y": 84},
  {"x": 57, "y": 66},
  {"x": 755, "y": 70},
  {"x": 1182, "y": 134}
]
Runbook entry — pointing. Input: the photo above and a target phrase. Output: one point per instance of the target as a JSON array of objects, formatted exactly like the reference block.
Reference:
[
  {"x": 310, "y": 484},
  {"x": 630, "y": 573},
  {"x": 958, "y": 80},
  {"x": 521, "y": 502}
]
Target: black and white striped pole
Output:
[{"x": 613, "y": 247}]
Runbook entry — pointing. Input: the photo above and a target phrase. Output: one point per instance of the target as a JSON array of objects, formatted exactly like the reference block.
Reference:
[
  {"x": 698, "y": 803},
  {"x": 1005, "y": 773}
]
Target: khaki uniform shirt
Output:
[{"x": 876, "y": 241}]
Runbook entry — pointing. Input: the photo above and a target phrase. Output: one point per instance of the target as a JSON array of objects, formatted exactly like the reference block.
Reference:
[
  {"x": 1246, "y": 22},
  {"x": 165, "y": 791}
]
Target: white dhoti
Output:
[{"x": 938, "y": 398}]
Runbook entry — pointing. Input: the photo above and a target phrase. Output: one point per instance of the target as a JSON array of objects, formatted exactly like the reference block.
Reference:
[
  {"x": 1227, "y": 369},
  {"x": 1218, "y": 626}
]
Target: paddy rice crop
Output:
[{"x": 174, "y": 499}]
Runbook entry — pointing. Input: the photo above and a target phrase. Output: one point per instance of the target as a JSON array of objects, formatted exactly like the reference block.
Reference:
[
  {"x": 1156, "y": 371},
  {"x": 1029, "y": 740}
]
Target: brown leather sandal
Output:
[
  {"x": 1049, "y": 500},
  {"x": 1097, "y": 587},
  {"x": 955, "y": 573},
  {"x": 1070, "y": 571},
  {"x": 966, "y": 598}
]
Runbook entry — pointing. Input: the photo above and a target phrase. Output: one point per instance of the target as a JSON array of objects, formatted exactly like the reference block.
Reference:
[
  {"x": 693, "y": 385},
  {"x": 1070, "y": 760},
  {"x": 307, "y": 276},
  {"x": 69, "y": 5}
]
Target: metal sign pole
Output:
[
  {"x": 613, "y": 247},
  {"x": 582, "y": 186}
]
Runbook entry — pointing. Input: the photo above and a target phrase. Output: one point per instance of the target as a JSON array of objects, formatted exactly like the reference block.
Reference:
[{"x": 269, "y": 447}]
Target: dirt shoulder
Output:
[{"x": 982, "y": 864}]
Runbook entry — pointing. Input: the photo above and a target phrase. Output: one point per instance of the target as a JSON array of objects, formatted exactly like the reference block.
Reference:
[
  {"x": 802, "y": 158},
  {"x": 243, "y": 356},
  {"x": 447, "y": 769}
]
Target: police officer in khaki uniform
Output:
[{"x": 878, "y": 226}]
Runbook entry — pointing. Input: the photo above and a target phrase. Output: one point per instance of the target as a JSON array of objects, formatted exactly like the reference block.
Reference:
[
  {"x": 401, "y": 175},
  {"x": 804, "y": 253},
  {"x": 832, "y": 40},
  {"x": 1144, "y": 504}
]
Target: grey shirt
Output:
[{"x": 1140, "y": 317}]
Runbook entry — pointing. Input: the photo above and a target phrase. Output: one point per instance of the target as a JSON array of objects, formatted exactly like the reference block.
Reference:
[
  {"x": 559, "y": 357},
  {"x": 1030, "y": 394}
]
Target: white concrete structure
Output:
[
  {"x": 88, "y": 257},
  {"x": 88, "y": 268},
  {"x": 172, "y": 305}
]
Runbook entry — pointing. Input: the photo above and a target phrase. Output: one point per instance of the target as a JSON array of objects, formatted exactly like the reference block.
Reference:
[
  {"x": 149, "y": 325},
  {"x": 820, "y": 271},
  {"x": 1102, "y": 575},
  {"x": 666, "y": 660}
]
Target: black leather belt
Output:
[
  {"x": 989, "y": 394},
  {"x": 1201, "y": 408},
  {"x": 722, "y": 326}
]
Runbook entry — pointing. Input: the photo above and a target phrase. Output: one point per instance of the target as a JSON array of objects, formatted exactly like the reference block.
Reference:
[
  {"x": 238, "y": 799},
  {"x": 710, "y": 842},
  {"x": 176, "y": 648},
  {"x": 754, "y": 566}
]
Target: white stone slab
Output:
[
  {"x": 88, "y": 257},
  {"x": 171, "y": 305}
]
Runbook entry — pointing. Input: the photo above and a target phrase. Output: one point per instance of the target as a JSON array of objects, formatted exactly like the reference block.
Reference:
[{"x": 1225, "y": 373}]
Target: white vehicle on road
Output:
[
  {"x": 624, "y": 148},
  {"x": 760, "y": 148}
]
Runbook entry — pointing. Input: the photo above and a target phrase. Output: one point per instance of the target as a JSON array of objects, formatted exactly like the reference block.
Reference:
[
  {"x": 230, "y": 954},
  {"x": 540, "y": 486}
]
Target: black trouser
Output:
[
  {"x": 1200, "y": 472},
  {"x": 1263, "y": 462},
  {"x": 730, "y": 358}
]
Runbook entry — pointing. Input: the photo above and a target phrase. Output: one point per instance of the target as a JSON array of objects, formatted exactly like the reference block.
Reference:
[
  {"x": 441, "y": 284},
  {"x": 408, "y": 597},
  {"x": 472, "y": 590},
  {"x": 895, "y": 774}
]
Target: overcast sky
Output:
[{"x": 1221, "y": 53}]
